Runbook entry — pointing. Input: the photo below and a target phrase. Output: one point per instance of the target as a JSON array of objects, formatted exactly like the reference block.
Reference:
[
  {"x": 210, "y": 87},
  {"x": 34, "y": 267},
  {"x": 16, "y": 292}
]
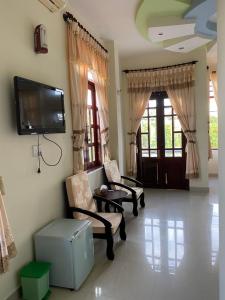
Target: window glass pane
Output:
[
  {"x": 213, "y": 130},
  {"x": 144, "y": 141},
  {"x": 92, "y": 135},
  {"x": 168, "y": 153},
  {"x": 90, "y": 154},
  {"x": 93, "y": 153},
  {"x": 145, "y": 153},
  {"x": 212, "y": 105},
  {"x": 145, "y": 113},
  {"x": 144, "y": 125},
  {"x": 153, "y": 153},
  {"x": 91, "y": 116},
  {"x": 213, "y": 119},
  {"x": 168, "y": 132},
  {"x": 88, "y": 117},
  {"x": 177, "y": 140},
  {"x": 178, "y": 153},
  {"x": 167, "y": 102},
  {"x": 152, "y": 103},
  {"x": 88, "y": 134},
  {"x": 176, "y": 124},
  {"x": 152, "y": 112},
  {"x": 153, "y": 133},
  {"x": 89, "y": 99},
  {"x": 168, "y": 111}
]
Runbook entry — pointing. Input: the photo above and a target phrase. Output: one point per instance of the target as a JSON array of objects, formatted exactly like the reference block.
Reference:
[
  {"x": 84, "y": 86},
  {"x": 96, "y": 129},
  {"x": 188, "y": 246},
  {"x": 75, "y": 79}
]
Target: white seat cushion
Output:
[
  {"x": 113, "y": 218},
  {"x": 79, "y": 194},
  {"x": 138, "y": 191},
  {"x": 112, "y": 172}
]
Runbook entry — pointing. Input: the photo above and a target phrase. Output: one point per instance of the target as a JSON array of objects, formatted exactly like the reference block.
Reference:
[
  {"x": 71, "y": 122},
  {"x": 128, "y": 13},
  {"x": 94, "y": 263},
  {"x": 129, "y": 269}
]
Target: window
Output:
[
  {"x": 213, "y": 118},
  {"x": 160, "y": 130},
  {"x": 92, "y": 151}
]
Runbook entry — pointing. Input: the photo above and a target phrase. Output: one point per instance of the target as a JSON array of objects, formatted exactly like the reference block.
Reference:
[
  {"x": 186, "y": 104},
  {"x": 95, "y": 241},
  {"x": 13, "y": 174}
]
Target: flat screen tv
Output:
[{"x": 39, "y": 107}]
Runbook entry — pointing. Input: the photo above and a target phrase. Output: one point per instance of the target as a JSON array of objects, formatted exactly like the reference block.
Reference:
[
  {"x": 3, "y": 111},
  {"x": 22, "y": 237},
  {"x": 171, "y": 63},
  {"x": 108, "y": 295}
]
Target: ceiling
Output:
[{"x": 116, "y": 20}]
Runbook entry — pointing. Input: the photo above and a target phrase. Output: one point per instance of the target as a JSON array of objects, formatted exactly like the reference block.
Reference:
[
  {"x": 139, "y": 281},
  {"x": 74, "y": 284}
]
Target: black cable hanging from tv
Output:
[{"x": 41, "y": 157}]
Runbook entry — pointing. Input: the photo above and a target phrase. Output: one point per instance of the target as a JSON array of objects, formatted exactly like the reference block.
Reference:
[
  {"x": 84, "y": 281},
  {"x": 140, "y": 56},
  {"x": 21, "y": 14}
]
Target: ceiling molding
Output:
[{"x": 174, "y": 21}]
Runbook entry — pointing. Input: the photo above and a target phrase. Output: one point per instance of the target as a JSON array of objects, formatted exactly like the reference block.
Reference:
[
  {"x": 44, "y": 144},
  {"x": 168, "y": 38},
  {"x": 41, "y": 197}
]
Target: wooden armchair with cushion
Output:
[
  {"x": 115, "y": 181},
  {"x": 82, "y": 206}
]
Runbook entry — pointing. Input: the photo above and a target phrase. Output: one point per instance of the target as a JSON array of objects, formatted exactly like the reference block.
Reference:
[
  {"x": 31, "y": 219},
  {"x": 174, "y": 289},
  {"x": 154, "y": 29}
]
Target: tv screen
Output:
[{"x": 40, "y": 108}]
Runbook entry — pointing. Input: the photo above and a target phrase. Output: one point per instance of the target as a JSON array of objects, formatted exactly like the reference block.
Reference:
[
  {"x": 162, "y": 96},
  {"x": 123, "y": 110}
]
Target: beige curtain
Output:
[
  {"x": 179, "y": 82},
  {"x": 138, "y": 99},
  {"x": 183, "y": 101},
  {"x": 85, "y": 55},
  {"x": 7, "y": 245},
  {"x": 213, "y": 77},
  {"x": 103, "y": 108}
]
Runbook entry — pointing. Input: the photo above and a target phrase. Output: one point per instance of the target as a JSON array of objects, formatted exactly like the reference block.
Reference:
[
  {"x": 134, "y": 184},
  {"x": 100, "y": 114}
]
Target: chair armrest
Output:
[
  {"x": 138, "y": 183},
  {"x": 91, "y": 214},
  {"x": 116, "y": 205},
  {"x": 123, "y": 186}
]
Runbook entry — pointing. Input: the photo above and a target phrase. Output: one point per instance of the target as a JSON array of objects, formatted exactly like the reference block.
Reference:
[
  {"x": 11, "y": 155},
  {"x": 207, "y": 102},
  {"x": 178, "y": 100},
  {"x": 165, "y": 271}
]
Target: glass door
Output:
[{"x": 161, "y": 146}]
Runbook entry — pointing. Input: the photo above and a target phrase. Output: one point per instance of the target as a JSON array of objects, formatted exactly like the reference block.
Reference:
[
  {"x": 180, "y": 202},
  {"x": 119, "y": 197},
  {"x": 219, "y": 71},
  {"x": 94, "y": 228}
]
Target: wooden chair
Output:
[
  {"x": 115, "y": 181},
  {"x": 82, "y": 206}
]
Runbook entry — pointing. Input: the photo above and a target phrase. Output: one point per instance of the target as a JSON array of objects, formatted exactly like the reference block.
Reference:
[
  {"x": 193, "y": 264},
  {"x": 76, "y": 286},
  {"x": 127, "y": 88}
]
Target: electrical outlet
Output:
[{"x": 35, "y": 150}]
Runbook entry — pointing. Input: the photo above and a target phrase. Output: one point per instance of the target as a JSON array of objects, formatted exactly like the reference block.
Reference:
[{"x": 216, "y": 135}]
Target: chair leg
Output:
[
  {"x": 142, "y": 200},
  {"x": 109, "y": 248},
  {"x": 135, "y": 207},
  {"x": 123, "y": 235}
]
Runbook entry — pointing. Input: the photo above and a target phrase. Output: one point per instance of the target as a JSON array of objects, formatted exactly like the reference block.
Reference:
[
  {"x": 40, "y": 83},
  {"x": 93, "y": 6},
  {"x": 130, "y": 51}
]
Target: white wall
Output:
[
  {"x": 32, "y": 199},
  {"x": 147, "y": 60},
  {"x": 115, "y": 120},
  {"x": 213, "y": 163},
  {"x": 221, "y": 115}
]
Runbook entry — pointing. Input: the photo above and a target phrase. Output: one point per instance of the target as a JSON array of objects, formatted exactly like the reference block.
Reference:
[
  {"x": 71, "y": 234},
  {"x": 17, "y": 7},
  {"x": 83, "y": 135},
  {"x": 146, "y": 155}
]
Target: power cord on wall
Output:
[{"x": 40, "y": 154}]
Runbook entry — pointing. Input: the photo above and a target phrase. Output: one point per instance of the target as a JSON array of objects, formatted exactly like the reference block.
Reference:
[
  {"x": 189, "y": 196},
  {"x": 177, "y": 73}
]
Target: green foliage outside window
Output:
[{"x": 213, "y": 131}]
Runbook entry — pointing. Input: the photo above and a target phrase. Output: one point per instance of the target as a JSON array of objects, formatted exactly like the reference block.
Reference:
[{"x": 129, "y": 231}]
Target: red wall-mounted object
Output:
[{"x": 40, "y": 39}]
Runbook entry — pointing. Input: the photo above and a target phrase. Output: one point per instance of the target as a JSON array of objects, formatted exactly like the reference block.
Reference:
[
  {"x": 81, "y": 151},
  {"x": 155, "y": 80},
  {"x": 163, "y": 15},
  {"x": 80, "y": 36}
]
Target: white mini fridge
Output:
[{"x": 68, "y": 245}]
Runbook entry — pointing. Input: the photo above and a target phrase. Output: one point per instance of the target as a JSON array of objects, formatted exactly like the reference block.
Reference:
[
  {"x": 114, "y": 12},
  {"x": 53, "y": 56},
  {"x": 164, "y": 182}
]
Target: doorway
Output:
[{"x": 161, "y": 156}]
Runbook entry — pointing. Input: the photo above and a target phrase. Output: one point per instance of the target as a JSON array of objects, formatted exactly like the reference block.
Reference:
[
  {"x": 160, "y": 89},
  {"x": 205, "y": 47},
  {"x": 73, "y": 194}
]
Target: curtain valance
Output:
[
  {"x": 161, "y": 78},
  {"x": 86, "y": 51}
]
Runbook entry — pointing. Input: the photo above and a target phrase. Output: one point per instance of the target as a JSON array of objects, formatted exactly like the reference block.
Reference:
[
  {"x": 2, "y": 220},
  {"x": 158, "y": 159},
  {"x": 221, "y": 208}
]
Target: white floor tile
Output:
[{"x": 171, "y": 252}]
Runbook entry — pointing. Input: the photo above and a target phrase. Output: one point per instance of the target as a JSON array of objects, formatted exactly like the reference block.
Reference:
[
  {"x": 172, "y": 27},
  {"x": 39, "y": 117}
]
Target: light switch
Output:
[{"x": 35, "y": 150}]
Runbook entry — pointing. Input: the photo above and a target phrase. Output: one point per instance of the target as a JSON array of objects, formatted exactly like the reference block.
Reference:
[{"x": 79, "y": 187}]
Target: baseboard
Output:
[{"x": 199, "y": 189}]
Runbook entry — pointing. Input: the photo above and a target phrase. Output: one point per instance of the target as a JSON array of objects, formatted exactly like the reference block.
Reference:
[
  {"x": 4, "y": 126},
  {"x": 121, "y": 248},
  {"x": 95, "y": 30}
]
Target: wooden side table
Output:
[{"x": 113, "y": 195}]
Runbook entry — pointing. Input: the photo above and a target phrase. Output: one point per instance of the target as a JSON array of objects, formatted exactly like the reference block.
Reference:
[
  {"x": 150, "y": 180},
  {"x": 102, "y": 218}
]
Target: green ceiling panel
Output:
[{"x": 151, "y": 9}]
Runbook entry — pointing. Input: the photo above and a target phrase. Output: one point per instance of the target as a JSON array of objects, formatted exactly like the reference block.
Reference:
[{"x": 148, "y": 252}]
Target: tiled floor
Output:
[{"x": 171, "y": 252}]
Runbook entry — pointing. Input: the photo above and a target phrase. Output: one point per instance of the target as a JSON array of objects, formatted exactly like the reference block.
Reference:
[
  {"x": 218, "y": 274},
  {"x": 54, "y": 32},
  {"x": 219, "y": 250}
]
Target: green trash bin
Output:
[{"x": 35, "y": 281}]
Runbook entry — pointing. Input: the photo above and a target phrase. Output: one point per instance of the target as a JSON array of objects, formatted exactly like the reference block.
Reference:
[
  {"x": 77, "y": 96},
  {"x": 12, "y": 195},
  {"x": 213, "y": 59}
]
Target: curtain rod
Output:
[
  {"x": 160, "y": 68},
  {"x": 69, "y": 17}
]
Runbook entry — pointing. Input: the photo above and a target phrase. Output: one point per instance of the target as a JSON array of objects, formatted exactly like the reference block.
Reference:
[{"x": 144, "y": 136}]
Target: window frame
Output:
[
  {"x": 160, "y": 116},
  {"x": 96, "y": 143}
]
